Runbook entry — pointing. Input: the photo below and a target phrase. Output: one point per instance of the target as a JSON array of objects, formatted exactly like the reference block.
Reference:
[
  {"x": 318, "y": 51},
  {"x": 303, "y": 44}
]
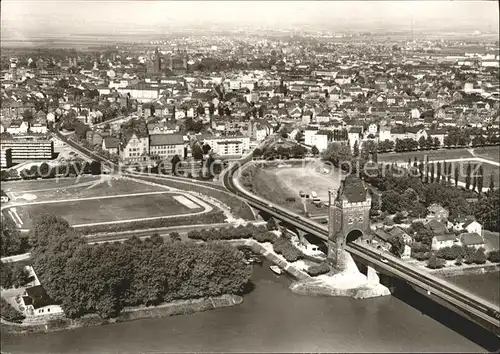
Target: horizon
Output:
[{"x": 25, "y": 20}]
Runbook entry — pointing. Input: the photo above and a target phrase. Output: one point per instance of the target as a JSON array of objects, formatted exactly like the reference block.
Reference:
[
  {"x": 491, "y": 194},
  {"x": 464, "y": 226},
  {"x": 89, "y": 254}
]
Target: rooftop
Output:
[
  {"x": 353, "y": 189},
  {"x": 165, "y": 139}
]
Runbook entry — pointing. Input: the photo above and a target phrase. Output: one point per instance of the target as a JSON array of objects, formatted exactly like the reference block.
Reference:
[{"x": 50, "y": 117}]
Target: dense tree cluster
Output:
[
  {"x": 284, "y": 247},
  {"x": 11, "y": 240},
  {"x": 338, "y": 154},
  {"x": 73, "y": 168},
  {"x": 9, "y": 313},
  {"x": 13, "y": 275},
  {"x": 281, "y": 152},
  {"x": 494, "y": 256},
  {"x": 404, "y": 190},
  {"x": 105, "y": 278},
  {"x": 435, "y": 262},
  {"x": 487, "y": 210},
  {"x": 319, "y": 269},
  {"x": 229, "y": 233}
]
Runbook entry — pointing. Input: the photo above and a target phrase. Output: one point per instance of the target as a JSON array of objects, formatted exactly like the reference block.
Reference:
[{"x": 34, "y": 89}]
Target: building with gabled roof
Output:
[{"x": 166, "y": 146}]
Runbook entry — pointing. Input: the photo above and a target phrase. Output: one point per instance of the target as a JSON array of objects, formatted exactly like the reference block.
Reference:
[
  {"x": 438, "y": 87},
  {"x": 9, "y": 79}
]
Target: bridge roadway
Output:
[
  {"x": 469, "y": 305},
  {"x": 461, "y": 301}
]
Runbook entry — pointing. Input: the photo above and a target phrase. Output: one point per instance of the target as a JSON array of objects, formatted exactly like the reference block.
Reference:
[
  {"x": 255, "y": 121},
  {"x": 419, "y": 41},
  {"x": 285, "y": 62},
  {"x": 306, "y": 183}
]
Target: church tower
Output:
[{"x": 348, "y": 219}]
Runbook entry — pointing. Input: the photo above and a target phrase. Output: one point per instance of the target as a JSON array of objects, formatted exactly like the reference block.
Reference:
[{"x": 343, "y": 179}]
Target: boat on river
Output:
[{"x": 276, "y": 269}]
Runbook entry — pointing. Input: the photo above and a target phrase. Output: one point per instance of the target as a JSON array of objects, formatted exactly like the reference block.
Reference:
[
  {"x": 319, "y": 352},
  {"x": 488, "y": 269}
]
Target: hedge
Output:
[
  {"x": 266, "y": 237},
  {"x": 229, "y": 233},
  {"x": 212, "y": 217},
  {"x": 319, "y": 269},
  {"x": 287, "y": 250},
  {"x": 435, "y": 263}
]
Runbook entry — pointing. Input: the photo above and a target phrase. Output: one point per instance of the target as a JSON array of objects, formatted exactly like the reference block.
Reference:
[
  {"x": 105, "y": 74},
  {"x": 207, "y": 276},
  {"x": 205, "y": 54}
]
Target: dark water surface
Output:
[{"x": 270, "y": 319}]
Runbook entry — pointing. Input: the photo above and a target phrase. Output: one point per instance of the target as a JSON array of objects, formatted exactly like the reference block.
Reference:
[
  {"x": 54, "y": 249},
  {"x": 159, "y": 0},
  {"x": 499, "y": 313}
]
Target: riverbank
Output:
[
  {"x": 174, "y": 308},
  {"x": 350, "y": 283}
]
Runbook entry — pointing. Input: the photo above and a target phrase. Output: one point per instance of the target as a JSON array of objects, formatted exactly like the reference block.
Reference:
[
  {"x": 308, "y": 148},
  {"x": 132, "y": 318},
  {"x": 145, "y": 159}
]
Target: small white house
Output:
[
  {"x": 441, "y": 241},
  {"x": 17, "y": 127},
  {"x": 36, "y": 302}
]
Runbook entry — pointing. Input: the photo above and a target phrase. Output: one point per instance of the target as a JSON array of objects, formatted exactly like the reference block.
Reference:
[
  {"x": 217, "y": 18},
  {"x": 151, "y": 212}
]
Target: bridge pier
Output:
[
  {"x": 372, "y": 276},
  {"x": 303, "y": 241}
]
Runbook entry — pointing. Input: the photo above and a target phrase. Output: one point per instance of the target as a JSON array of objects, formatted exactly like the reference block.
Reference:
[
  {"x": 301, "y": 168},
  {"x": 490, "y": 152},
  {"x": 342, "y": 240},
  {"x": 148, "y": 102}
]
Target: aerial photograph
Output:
[{"x": 249, "y": 176}]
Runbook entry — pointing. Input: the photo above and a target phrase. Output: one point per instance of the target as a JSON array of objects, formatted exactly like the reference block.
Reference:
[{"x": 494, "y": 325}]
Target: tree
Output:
[
  {"x": 12, "y": 242},
  {"x": 314, "y": 150},
  {"x": 422, "y": 143},
  {"x": 375, "y": 156},
  {"x": 206, "y": 148},
  {"x": 397, "y": 245},
  {"x": 474, "y": 182},
  {"x": 6, "y": 275},
  {"x": 431, "y": 173},
  {"x": 197, "y": 152},
  {"x": 175, "y": 164},
  {"x": 435, "y": 263},
  {"x": 20, "y": 275},
  {"x": 284, "y": 134},
  {"x": 468, "y": 176},
  {"x": 480, "y": 180},
  {"x": 492, "y": 183},
  {"x": 271, "y": 224},
  {"x": 44, "y": 170},
  {"x": 9, "y": 313},
  {"x": 299, "y": 137},
  {"x": 338, "y": 153},
  {"x": 27, "y": 115},
  {"x": 437, "y": 143},
  {"x": 355, "y": 150},
  {"x": 174, "y": 236},
  {"x": 392, "y": 202},
  {"x": 456, "y": 175},
  {"x": 438, "y": 172},
  {"x": 487, "y": 210}
]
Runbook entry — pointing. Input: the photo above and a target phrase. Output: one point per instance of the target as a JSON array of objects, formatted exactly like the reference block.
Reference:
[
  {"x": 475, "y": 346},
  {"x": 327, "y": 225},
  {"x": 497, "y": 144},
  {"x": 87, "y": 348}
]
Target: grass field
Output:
[
  {"x": 434, "y": 155},
  {"x": 489, "y": 153},
  {"x": 107, "y": 210},
  {"x": 89, "y": 189},
  {"x": 278, "y": 184},
  {"x": 238, "y": 208},
  {"x": 33, "y": 185}
]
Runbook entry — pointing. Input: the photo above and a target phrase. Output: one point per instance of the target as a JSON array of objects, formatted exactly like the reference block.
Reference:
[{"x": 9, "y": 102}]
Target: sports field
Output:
[
  {"x": 108, "y": 209},
  {"x": 86, "y": 189},
  {"x": 33, "y": 185}
]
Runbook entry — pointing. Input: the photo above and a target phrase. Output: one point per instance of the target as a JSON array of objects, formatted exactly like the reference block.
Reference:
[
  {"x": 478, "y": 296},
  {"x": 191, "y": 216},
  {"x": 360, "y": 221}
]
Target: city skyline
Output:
[{"x": 30, "y": 19}]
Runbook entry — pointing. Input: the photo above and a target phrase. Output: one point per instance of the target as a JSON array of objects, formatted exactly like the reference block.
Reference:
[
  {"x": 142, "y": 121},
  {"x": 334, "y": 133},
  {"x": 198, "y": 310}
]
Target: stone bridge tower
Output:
[{"x": 349, "y": 218}]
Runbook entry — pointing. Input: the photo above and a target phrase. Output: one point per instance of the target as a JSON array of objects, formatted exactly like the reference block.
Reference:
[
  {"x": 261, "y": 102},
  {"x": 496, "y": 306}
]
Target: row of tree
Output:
[
  {"x": 73, "y": 168},
  {"x": 104, "y": 278},
  {"x": 281, "y": 152}
]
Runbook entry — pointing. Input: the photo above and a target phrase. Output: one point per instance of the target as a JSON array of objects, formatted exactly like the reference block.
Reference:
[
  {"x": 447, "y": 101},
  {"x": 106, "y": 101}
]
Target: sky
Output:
[{"x": 27, "y": 19}]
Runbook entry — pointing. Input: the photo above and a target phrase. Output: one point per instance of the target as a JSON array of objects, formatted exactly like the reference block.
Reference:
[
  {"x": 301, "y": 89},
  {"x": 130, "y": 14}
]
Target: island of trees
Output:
[{"x": 105, "y": 278}]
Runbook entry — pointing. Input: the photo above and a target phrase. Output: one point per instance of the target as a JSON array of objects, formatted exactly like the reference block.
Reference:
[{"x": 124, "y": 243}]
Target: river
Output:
[{"x": 270, "y": 319}]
